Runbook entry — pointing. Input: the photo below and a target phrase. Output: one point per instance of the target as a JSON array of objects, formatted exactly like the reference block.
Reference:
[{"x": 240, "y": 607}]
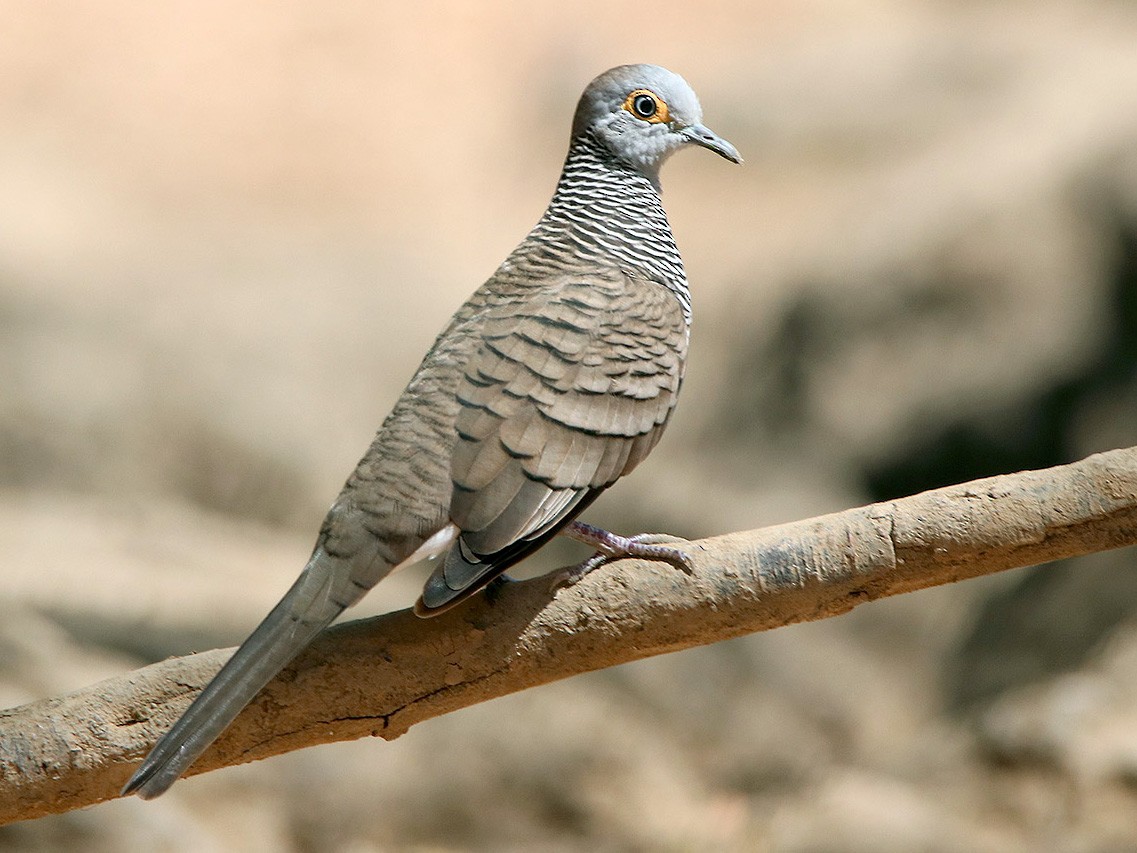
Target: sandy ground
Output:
[{"x": 229, "y": 231}]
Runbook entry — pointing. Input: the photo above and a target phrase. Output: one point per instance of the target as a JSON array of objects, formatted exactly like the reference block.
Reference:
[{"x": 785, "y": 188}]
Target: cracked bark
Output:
[{"x": 385, "y": 674}]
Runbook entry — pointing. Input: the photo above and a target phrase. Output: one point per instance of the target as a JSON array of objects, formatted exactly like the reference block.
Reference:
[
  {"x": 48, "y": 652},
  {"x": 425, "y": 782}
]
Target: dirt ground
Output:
[{"x": 228, "y": 232}]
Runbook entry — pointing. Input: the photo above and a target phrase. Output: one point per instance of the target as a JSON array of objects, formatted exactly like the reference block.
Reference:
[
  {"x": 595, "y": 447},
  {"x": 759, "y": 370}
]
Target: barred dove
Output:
[{"x": 552, "y": 381}]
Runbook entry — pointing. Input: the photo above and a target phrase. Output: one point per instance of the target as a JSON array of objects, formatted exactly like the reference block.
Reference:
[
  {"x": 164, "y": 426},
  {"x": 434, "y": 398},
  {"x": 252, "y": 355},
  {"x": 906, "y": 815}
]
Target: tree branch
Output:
[{"x": 380, "y": 676}]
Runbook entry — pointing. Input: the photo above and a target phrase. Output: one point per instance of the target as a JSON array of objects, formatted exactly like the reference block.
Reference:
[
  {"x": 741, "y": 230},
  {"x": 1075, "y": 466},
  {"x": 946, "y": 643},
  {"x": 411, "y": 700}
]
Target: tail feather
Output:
[{"x": 306, "y": 609}]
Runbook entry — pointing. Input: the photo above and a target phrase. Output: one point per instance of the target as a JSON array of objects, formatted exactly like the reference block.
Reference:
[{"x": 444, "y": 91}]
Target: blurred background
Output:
[{"x": 229, "y": 231}]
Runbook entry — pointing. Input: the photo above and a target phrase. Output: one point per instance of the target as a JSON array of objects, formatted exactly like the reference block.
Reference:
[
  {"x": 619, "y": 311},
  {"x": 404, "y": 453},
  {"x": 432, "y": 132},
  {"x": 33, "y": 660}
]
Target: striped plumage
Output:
[
  {"x": 553, "y": 380},
  {"x": 605, "y": 212}
]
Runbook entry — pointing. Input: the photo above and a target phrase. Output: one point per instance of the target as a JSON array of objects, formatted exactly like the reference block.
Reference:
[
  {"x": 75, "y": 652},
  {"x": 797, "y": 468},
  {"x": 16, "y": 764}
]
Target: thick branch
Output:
[{"x": 381, "y": 676}]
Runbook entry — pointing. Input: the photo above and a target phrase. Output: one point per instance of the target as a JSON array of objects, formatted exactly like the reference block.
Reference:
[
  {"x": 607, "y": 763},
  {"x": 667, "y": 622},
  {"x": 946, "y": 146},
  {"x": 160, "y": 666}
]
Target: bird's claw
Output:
[{"x": 657, "y": 547}]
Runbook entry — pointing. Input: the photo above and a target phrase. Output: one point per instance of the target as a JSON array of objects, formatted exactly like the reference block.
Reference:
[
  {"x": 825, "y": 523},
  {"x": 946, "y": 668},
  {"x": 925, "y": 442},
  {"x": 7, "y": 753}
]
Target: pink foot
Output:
[{"x": 609, "y": 547}]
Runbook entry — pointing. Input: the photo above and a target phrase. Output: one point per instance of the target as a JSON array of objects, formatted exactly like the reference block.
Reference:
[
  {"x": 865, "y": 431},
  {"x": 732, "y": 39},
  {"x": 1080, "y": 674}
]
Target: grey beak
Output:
[{"x": 707, "y": 138}]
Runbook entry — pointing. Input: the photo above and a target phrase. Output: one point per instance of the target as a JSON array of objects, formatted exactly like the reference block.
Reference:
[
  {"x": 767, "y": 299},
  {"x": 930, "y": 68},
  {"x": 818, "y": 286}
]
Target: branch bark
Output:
[{"x": 380, "y": 676}]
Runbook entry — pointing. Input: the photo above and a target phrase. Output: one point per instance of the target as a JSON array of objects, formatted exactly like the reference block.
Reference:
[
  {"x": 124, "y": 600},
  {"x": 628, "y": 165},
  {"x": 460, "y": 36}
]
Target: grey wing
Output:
[{"x": 569, "y": 390}]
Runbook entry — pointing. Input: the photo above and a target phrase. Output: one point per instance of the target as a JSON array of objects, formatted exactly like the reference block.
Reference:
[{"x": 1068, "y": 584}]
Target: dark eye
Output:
[
  {"x": 644, "y": 106},
  {"x": 647, "y": 106}
]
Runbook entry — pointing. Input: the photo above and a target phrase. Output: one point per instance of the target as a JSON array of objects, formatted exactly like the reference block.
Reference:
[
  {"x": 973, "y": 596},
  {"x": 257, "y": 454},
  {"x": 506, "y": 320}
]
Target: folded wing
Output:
[{"x": 570, "y": 388}]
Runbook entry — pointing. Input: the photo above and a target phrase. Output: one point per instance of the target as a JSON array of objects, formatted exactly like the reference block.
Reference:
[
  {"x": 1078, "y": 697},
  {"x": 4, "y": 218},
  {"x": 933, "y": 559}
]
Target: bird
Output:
[{"x": 554, "y": 379}]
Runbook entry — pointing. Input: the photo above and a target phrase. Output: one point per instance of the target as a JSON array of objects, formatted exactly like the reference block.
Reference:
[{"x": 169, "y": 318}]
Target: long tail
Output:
[{"x": 323, "y": 591}]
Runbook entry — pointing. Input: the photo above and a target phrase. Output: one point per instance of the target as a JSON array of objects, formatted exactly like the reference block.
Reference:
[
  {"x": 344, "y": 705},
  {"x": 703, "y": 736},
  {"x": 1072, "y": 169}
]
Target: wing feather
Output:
[{"x": 570, "y": 389}]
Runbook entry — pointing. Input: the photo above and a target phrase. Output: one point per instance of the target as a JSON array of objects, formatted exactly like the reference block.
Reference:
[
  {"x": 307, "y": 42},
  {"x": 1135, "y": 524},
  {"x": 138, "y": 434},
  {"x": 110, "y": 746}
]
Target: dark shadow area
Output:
[
  {"x": 1036, "y": 432},
  {"x": 1054, "y": 618}
]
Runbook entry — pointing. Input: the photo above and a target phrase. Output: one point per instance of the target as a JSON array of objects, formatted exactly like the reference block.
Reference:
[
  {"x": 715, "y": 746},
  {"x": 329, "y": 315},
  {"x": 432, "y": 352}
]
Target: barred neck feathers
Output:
[{"x": 605, "y": 211}]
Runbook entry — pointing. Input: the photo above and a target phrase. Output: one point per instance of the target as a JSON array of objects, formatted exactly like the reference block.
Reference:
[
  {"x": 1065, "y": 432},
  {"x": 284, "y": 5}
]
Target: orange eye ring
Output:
[{"x": 647, "y": 106}]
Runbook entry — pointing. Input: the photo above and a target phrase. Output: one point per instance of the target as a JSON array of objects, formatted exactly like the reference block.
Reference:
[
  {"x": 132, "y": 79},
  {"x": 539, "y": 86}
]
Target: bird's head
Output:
[{"x": 642, "y": 114}]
